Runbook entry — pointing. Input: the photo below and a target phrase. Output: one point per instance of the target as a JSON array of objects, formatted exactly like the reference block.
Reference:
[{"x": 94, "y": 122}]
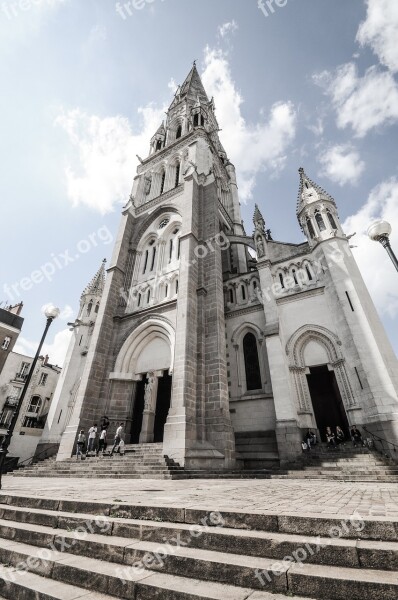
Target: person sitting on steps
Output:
[
  {"x": 356, "y": 436},
  {"x": 340, "y": 436},
  {"x": 330, "y": 438}
]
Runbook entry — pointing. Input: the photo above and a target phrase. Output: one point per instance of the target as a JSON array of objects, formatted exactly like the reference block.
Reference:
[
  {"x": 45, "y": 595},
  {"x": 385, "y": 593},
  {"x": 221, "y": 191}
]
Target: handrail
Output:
[
  {"x": 9, "y": 459},
  {"x": 380, "y": 439}
]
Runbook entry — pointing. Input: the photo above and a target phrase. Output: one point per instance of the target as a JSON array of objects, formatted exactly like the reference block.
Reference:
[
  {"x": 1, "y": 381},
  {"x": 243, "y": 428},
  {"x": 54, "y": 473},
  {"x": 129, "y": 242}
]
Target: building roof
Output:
[
  {"x": 97, "y": 284},
  {"x": 309, "y": 192}
]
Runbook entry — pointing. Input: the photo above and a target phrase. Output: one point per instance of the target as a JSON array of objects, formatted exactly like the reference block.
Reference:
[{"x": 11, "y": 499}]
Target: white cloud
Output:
[
  {"x": 66, "y": 313},
  {"x": 342, "y": 164},
  {"x": 251, "y": 147},
  {"x": 106, "y": 155},
  {"x": 55, "y": 350},
  {"x": 373, "y": 261},
  {"x": 380, "y": 31},
  {"x": 362, "y": 103},
  {"x": 227, "y": 28}
]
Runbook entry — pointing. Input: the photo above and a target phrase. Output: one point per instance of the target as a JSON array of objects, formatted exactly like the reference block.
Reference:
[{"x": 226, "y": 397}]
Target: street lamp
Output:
[
  {"x": 380, "y": 231},
  {"x": 51, "y": 312}
]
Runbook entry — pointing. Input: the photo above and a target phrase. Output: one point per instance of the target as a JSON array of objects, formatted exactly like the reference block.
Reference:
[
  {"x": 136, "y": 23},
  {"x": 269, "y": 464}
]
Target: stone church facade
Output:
[{"x": 223, "y": 346}]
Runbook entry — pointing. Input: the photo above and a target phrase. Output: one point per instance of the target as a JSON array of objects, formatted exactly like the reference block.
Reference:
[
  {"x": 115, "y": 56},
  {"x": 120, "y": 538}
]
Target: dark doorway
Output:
[
  {"x": 138, "y": 411},
  {"x": 326, "y": 400},
  {"x": 162, "y": 406}
]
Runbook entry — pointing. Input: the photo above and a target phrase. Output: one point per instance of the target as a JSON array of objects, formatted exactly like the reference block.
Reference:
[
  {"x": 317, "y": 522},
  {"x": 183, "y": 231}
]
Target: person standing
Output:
[
  {"x": 92, "y": 434},
  {"x": 102, "y": 442},
  {"x": 81, "y": 442},
  {"x": 117, "y": 440}
]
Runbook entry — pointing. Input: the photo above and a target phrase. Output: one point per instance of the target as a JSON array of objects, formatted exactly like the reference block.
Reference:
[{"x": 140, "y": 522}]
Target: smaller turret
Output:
[{"x": 316, "y": 211}]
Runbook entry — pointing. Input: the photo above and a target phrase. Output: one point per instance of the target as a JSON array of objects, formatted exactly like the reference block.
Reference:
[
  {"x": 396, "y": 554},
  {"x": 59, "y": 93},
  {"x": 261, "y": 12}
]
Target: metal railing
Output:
[
  {"x": 31, "y": 458},
  {"x": 382, "y": 441}
]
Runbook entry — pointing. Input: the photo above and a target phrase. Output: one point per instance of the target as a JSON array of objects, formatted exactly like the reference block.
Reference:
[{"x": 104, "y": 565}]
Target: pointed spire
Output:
[
  {"x": 96, "y": 285},
  {"x": 258, "y": 219},
  {"x": 192, "y": 87},
  {"x": 310, "y": 192}
]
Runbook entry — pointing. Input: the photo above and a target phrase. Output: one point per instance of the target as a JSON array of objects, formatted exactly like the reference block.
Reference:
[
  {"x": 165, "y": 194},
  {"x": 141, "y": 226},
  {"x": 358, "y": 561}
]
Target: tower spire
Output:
[
  {"x": 96, "y": 285},
  {"x": 310, "y": 192}
]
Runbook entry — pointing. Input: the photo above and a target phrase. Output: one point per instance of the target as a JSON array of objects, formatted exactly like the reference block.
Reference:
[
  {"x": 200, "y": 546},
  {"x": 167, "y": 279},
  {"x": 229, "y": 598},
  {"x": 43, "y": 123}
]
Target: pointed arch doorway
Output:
[{"x": 151, "y": 407}]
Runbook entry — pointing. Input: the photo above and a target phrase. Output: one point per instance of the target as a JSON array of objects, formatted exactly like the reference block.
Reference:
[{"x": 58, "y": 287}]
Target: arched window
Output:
[
  {"x": 331, "y": 220},
  {"x": 148, "y": 296},
  {"x": 171, "y": 246},
  {"x": 196, "y": 120},
  {"x": 35, "y": 404},
  {"x": 162, "y": 181},
  {"x": 176, "y": 286},
  {"x": 252, "y": 365},
  {"x": 178, "y": 248},
  {"x": 281, "y": 280},
  {"x": 308, "y": 272},
  {"x": 231, "y": 295},
  {"x": 153, "y": 258},
  {"x": 139, "y": 300},
  {"x": 179, "y": 132},
  {"x": 177, "y": 179},
  {"x": 202, "y": 120},
  {"x": 243, "y": 292},
  {"x": 89, "y": 307},
  {"x": 310, "y": 228},
  {"x": 320, "y": 221},
  {"x": 145, "y": 261},
  {"x": 166, "y": 290},
  {"x": 6, "y": 343},
  {"x": 97, "y": 308},
  {"x": 294, "y": 276},
  {"x": 158, "y": 145}
]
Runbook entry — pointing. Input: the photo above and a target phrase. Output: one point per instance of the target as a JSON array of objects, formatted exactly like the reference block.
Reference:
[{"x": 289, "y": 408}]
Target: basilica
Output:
[{"x": 223, "y": 345}]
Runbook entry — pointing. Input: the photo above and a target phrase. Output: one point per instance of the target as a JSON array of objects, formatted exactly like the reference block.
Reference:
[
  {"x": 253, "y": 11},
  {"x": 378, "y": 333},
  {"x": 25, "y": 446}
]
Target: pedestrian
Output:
[
  {"x": 92, "y": 434},
  {"x": 330, "y": 437},
  {"x": 81, "y": 442},
  {"x": 102, "y": 442},
  {"x": 105, "y": 422},
  {"x": 340, "y": 436},
  {"x": 118, "y": 437},
  {"x": 356, "y": 436}
]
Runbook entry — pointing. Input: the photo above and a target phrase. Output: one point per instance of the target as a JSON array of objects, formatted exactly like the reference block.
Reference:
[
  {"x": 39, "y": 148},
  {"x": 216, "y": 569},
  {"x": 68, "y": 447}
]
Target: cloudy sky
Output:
[{"x": 85, "y": 85}]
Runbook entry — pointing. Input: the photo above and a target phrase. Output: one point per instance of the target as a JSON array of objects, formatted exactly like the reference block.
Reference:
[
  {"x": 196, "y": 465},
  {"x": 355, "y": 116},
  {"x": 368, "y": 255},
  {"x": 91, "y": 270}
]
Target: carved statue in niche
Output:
[
  {"x": 148, "y": 184},
  {"x": 148, "y": 391},
  {"x": 260, "y": 248}
]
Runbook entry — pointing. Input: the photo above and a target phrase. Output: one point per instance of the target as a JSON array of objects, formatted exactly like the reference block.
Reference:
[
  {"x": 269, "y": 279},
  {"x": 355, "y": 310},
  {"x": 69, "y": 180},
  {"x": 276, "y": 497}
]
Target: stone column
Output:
[{"x": 148, "y": 418}]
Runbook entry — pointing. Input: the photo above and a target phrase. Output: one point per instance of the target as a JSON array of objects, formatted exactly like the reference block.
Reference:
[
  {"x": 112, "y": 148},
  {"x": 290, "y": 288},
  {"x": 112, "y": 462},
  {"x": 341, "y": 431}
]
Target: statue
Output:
[
  {"x": 260, "y": 248},
  {"x": 148, "y": 184},
  {"x": 148, "y": 391}
]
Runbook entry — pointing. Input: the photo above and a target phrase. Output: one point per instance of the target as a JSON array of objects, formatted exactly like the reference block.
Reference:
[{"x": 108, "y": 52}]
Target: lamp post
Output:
[
  {"x": 51, "y": 312},
  {"x": 380, "y": 231}
]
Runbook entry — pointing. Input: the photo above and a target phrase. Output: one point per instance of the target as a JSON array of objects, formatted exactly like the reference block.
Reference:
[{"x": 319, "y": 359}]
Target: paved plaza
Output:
[{"x": 310, "y": 497}]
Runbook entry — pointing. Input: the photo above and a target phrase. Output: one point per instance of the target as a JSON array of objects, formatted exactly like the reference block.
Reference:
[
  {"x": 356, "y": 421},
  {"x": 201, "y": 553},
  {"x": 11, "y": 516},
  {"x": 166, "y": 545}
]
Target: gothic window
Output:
[
  {"x": 231, "y": 295},
  {"x": 96, "y": 308},
  {"x": 179, "y": 132},
  {"x": 89, "y": 307},
  {"x": 159, "y": 145},
  {"x": 178, "y": 248},
  {"x": 310, "y": 228},
  {"x": 166, "y": 290},
  {"x": 153, "y": 258},
  {"x": 170, "y": 250},
  {"x": 331, "y": 220},
  {"x": 320, "y": 221},
  {"x": 163, "y": 223},
  {"x": 294, "y": 276},
  {"x": 308, "y": 272},
  {"x": 176, "y": 286},
  {"x": 196, "y": 120},
  {"x": 6, "y": 343},
  {"x": 252, "y": 365},
  {"x": 177, "y": 179},
  {"x": 139, "y": 300},
  {"x": 243, "y": 292},
  {"x": 281, "y": 280},
  {"x": 145, "y": 261},
  {"x": 162, "y": 181},
  {"x": 202, "y": 120},
  {"x": 148, "y": 296}
]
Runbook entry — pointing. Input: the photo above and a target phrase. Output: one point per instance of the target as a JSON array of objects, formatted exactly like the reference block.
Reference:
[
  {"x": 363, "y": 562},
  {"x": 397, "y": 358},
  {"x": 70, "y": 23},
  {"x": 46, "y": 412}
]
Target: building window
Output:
[
  {"x": 159, "y": 145},
  {"x": 179, "y": 132},
  {"x": 176, "y": 286},
  {"x": 252, "y": 365},
  {"x": 170, "y": 250},
  {"x": 162, "y": 182},
  {"x": 148, "y": 296},
  {"x": 35, "y": 404},
  {"x": 163, "y": 223},
  {"x": 231, "y": 296},
  {"x": 43, "y": 379},
  {"x": 281, "y": 280},
  {"x": 310, "y": 228},
  {"x": 166, "y": 291},
  {"x": 243, "y": 292},
  {"x": 294, "y": 276},
  {"x": 24, "y": 368},
  {"x": 139, "y": 300},
  {"x": 96, "y": 308},
  {"x": 89, "y": 307},
  {"x": 178, "y": 248},
  {"x": 153, "y": 258},
  {"x": 331, "y": 220},
  {"x": 145, "y": 261},
  {"x": 320, "y": 221},
  {"x": 308, "y": 272},
  {"x": 6, "y": 343},
  {"x": 196, "y": 120},
  {"x": 202, "y": 120},
  {"x": 177, "y": 179}
]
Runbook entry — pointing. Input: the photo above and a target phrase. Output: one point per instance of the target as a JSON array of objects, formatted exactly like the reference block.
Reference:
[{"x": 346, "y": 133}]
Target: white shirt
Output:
[
  {"x": 103, "y": 434},
  {"x": 92, "y": 432},
  {"x": 119, "y": 431}
]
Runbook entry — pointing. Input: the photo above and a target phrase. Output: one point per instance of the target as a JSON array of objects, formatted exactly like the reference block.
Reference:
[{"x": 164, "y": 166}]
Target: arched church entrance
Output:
[
  {"x": 326, "y": 400},
  {"x": 146, "y": 359}
]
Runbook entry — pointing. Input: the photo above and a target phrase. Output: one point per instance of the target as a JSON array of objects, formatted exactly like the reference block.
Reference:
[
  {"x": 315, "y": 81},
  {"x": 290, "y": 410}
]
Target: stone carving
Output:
[
  {"x": 260, "y": 248},
  {"x": 148, "y": 391},
  {"x": 148, "y": 184}
]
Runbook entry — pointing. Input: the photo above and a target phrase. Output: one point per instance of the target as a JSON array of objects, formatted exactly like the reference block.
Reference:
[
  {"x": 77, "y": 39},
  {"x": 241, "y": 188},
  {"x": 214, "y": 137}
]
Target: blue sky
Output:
[{"x": 313, "y": 84}]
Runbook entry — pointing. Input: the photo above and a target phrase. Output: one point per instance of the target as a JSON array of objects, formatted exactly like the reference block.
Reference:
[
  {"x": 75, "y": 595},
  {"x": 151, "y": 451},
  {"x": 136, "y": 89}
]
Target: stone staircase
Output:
[
  {"x": 258, "y": 449},
  {"x": 68, "y": 549},
  {"x": 143, "y": 461}
]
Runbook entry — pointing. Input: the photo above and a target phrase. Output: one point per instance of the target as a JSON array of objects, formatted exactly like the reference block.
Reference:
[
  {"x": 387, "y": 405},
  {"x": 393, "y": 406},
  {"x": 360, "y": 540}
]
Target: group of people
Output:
[
  {"x": 92, "y": 447},
  {"x": 333, "y": 438}
]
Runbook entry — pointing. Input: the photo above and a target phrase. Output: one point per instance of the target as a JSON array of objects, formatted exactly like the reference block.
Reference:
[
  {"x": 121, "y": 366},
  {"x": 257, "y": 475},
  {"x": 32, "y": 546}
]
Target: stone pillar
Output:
[{"x": 148, "y": 418}]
